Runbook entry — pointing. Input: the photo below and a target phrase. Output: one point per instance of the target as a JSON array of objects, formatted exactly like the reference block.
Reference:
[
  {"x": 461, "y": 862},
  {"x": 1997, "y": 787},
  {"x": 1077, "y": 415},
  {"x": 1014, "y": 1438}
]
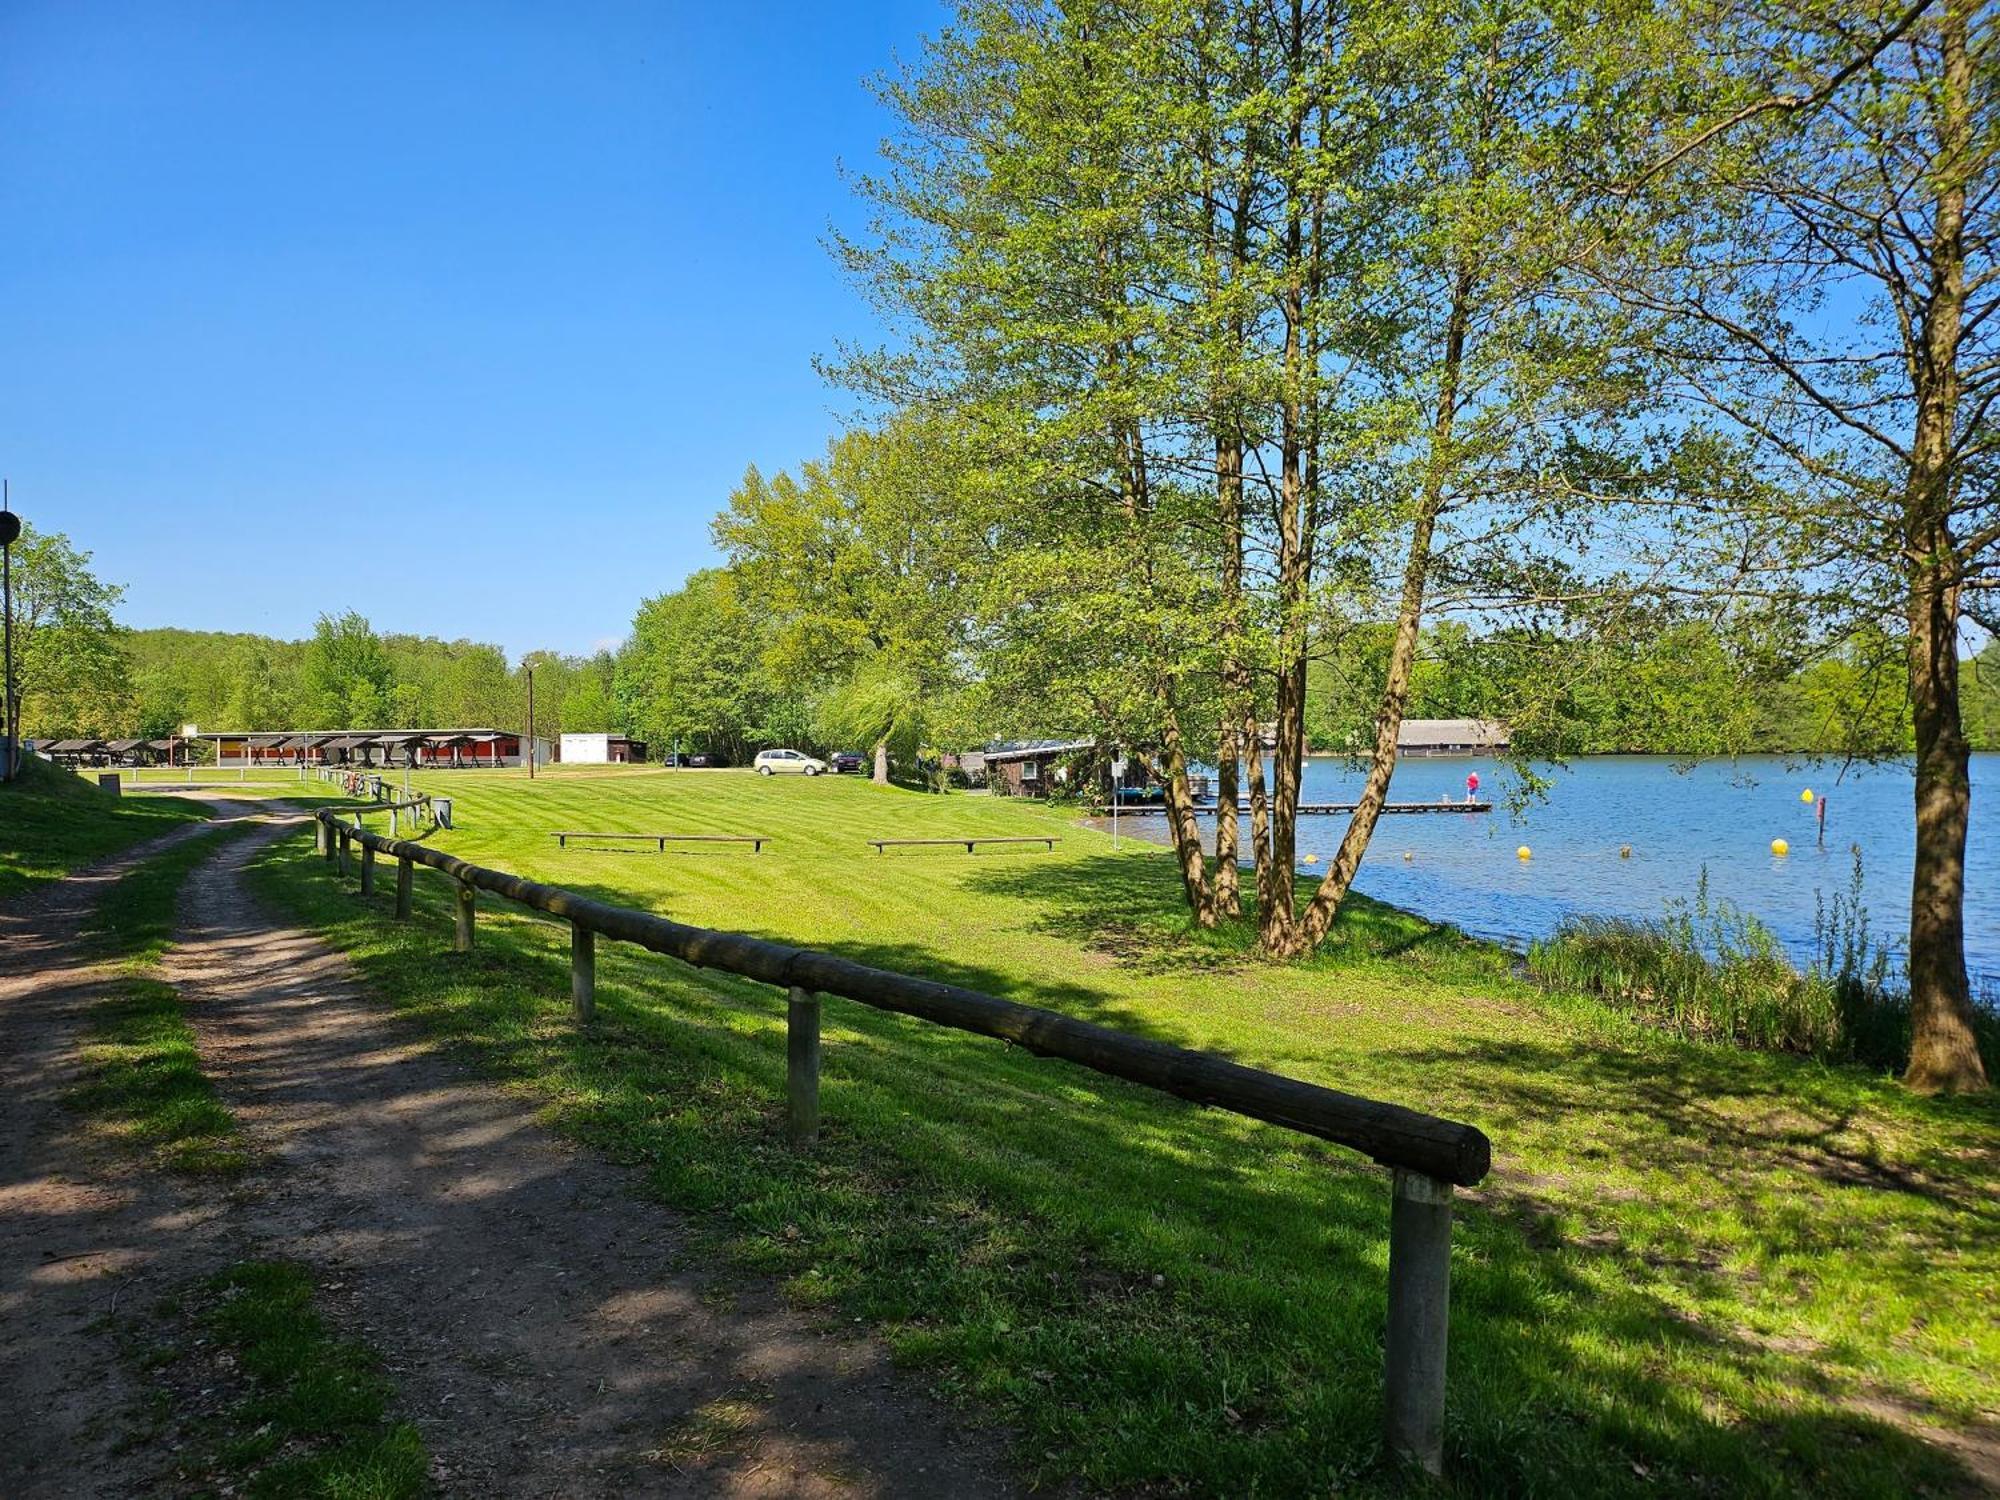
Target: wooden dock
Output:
[{"x": 1322, "y": 809}]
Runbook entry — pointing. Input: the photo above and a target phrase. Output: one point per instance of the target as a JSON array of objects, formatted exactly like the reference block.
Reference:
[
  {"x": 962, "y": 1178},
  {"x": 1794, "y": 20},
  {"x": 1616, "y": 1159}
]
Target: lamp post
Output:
[
  {"x": 10, "y": 723},
  {"x": 530, "y": 746}
]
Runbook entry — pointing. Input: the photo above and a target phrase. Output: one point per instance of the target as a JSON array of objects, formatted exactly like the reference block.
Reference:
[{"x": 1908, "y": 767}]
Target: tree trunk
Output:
[
  {"x": 1228, "y": 895},
  {"x": 1944, "y": 1051},
  {"x": 1181, "y": 815},
  {"x": 1318, "y": 918},
  {"x": 1237, "y": 695},
  {"x": 1277, "y": 880},
  {"x": 1944, "y": 1054},
  {"x": 882, "y": 762}
]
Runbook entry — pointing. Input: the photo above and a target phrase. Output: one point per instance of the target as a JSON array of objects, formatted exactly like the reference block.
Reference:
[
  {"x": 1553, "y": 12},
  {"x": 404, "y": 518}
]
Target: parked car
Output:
[
  {"x": 699, "y": 759},
  {"x": 848, "y": 762},
  {"x": 787, "y": 762}
]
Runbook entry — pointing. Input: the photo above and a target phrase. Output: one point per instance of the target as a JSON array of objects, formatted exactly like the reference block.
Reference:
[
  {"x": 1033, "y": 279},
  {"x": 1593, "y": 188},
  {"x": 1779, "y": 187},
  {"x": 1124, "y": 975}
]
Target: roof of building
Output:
[
  {"x": 73, "y": 747},
  {"x": 122, "y": 747},
  {"x": 1004, "y": 750},
  {"x": 1423, "y": 733},
  {"x": 260, "y": 736}
]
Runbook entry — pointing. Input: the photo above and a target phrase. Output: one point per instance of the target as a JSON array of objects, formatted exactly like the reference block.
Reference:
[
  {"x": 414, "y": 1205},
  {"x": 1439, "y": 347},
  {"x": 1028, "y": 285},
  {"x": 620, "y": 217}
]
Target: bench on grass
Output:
[
  {"x": 755, "y": 841},
  {"x": 882, "y": 845}
]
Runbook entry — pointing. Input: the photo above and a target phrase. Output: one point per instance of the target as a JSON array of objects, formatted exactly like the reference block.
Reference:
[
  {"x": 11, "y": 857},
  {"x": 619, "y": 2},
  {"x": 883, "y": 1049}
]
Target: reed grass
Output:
[{"x": 1710, "y": 971}]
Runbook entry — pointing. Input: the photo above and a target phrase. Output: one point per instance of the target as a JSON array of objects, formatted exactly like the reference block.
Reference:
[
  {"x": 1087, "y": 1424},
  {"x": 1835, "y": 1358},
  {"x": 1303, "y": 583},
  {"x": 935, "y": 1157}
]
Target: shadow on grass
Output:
[{"x": 1005, "y": 1219}]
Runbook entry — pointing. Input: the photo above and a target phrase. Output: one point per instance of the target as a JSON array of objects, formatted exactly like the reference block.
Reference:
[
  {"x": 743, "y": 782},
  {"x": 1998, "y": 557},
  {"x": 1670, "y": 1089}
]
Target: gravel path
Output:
[{"x": 543, "y": 1324}]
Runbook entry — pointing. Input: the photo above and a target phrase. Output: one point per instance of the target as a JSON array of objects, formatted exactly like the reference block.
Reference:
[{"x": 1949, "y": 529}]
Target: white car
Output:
[{"x": 775, "y": 762}]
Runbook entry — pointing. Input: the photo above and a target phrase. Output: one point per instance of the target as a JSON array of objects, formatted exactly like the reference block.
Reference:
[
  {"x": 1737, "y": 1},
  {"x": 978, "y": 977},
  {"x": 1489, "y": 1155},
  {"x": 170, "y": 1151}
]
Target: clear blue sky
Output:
[{"x": 528, "y": 284}]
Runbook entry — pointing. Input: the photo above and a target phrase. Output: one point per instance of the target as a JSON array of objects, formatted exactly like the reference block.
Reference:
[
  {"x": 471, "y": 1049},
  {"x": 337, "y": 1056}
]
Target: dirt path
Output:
[
  {"x": 84, "y": 1228},
  {"x": 542, "y": 1323}
]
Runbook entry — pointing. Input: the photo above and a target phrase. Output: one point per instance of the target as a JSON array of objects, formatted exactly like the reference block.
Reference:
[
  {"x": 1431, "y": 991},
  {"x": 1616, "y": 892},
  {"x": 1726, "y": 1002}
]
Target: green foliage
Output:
[
  {"x": 348, "y": 676},
  {"x": 1711, "y": 971},
  {"x": 859, "y": 565},
  {"x": 70, "y": 671},
  {"x": 694, "y": 673}
]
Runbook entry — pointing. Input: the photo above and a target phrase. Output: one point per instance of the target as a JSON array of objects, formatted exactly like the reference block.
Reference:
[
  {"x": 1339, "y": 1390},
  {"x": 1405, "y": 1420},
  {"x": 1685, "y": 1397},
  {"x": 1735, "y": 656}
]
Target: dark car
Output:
[
  {"x": 699, "y": 759},
  {"x": 847, "y": 762}
]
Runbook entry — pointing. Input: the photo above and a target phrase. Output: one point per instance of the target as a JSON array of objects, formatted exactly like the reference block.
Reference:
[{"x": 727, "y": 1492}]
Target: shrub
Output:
[{"x": 1709, "y": 970}]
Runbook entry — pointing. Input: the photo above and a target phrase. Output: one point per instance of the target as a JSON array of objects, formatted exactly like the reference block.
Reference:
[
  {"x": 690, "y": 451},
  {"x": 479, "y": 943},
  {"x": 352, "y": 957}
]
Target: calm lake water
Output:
[{"x": 1722, "y": 815}]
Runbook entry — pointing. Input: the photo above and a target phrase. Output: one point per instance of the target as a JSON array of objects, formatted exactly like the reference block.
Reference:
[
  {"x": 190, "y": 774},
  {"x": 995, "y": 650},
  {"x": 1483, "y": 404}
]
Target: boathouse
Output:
[{"x": 1420, "y": 737}]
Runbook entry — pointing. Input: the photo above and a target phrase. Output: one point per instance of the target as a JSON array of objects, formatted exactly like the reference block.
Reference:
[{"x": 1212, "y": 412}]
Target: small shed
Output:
[{"x": 600, "y": 750}]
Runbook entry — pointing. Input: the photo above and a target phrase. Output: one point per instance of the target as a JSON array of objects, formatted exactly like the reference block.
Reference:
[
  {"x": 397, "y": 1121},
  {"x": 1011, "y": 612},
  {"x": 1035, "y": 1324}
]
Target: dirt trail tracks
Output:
[
  {"x": 84, "y": 1228},
  {"x": 545, "y": 1330}
]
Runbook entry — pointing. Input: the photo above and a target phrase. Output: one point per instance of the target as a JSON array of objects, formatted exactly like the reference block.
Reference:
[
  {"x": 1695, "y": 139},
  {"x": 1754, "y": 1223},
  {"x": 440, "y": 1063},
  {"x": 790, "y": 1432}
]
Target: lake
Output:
[{"x": 1722, "y": 815}]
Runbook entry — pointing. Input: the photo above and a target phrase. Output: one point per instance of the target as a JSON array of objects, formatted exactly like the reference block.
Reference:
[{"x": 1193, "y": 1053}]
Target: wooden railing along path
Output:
[{"x": 1428, "y": 1156}]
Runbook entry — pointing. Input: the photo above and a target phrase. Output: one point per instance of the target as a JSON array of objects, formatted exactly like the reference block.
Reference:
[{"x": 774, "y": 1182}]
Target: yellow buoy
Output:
[
  {"x": 1523, "y": 852},
  {"x": 1806, "y": 795},
  {"x": 1408, "y": 855},
  {"x": 1779, "y": 846},
  {"x": 1312, "y": 859},
  {"x": 1624, "y": 851}
]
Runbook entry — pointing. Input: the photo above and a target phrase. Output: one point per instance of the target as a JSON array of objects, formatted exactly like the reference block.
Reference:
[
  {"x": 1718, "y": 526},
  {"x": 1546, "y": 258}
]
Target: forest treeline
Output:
[
  {"x": 345, "y": 675},
  {"x": 707, "y": 666}
]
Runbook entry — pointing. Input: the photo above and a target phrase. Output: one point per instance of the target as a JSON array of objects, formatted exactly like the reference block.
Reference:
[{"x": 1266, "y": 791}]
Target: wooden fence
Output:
[{"x": 1428, "y": 1157}]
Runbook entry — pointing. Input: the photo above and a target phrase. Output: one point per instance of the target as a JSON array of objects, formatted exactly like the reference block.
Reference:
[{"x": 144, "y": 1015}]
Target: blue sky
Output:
[{"x": 525, "y": 286}]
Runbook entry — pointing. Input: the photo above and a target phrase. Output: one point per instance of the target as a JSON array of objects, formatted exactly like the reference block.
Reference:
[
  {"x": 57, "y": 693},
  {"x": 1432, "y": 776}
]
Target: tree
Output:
[
  {"x": 348, "y": 681},
  {"x": 1262, "y": 309},
  {"x": 692, "y": 675},
  {"x": 860, "y": 561},
  {"x": 70, "y": 671},
  {"x": 1832, "y": 295}
]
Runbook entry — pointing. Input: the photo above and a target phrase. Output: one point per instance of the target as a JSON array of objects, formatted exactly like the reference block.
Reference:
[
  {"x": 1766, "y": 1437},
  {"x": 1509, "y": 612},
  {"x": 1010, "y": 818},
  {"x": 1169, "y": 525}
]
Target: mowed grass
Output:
[
  {"x": 1694, "y": 1270},
  {"x": 53, "y": 821}
]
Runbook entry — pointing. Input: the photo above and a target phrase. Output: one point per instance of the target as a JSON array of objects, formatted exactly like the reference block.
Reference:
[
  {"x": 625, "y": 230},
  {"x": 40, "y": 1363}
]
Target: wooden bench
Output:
[
  {"x": 755, "y": 841},
  {"x": 881, "y": 845}
]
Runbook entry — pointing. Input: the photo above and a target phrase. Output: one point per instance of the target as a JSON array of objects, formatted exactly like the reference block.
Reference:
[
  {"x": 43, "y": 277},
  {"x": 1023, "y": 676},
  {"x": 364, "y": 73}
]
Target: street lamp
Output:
[{"x": 10, "y": 722}]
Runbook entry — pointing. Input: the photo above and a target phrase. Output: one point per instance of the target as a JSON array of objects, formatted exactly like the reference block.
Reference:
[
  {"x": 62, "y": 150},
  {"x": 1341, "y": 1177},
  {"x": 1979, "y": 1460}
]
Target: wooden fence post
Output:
[
  {"x": 405, "y": 869},
  {"x": 462, "y": 929},
  {"x": 582, "y": 972},
  {"x": 367, "y": 870},
  {"x": 343, "y": 853},
  {"x": 319, "y": 839},
  {"x": 802, "y": 1068},
  {"x": 1419, "y": 1313}
]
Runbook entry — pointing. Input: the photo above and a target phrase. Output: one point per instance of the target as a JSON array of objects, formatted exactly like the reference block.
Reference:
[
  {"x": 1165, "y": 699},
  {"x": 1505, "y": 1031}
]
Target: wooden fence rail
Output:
[{"x": 1429, "y": 1156}]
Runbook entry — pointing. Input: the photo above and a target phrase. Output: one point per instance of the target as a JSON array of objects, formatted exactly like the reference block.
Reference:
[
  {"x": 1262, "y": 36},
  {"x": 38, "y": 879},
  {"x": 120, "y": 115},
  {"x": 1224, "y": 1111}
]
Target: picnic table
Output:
[{"x": 881, "y": 845}]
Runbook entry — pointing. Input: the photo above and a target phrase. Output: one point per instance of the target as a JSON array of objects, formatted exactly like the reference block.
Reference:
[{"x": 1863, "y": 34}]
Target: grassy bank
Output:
[
  {"x": 1694, "y": 1269},
  {"x": 53, "y": 821}
]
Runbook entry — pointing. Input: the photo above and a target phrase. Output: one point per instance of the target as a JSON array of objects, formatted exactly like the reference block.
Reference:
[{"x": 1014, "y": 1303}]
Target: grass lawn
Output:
[
  {"x": 1694, "y": 1270},
  {"x": 53, "y": 821}
]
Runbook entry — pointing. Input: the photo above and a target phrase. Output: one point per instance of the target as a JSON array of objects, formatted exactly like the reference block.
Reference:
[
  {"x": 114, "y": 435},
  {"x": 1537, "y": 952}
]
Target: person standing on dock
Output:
[{"x": 1472, "y": 786}]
